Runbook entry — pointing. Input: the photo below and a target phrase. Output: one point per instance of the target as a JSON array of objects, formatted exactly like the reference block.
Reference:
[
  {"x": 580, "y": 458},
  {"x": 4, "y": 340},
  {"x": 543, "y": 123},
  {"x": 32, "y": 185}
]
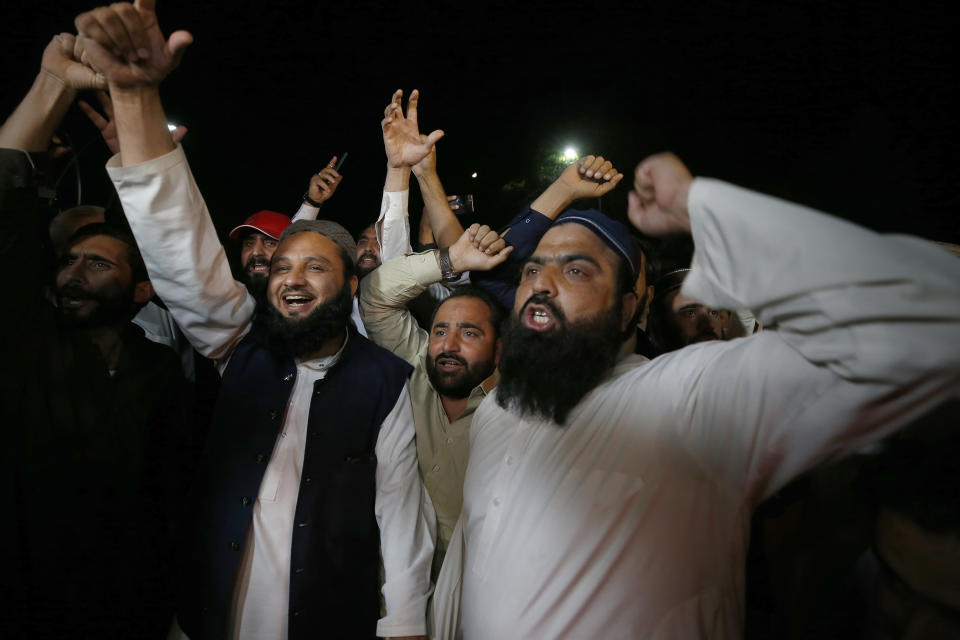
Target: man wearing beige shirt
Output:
[{"x": 455, "y": 362}]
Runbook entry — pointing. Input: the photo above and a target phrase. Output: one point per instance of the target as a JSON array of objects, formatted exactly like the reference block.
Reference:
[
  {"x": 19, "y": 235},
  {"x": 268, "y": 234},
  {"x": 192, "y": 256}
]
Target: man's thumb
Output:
[{"x": 177, "y": 43}]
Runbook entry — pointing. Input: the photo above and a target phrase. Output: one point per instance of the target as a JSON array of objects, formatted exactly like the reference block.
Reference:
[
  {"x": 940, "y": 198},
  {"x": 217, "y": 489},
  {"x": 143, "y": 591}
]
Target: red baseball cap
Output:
[{"x": 269, "y": 223}]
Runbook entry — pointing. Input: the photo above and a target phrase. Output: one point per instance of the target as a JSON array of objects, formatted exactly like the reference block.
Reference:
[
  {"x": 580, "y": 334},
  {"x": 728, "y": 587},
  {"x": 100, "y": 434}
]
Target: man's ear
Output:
[
  {"x": 497, "y": 351},
  {"x": 142, "y": 292},
  {"x": 354, "y": 283},
  {"x": 628, "y": 309}
]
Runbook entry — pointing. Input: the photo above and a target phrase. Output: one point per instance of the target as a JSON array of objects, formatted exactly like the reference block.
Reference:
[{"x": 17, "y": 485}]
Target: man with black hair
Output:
[
  {"x": 454, "y": 362},
  {"x": 310, "y": 474},
  {"x": 617, "y": 503},
  {"x": 97, "y": 446}
]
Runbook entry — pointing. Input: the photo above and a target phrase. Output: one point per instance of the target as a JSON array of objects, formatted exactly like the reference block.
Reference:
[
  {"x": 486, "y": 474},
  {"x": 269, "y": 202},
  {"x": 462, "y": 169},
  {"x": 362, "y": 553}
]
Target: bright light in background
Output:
[
  {"x": 570, "y": 154},
  {"x": 473, "y": 175},
  {"x": 171, "y": 127}
]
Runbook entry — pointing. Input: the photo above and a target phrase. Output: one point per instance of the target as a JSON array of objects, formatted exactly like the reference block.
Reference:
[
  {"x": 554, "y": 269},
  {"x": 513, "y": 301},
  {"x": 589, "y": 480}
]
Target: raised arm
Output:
[
  {"x": 384, "y": 293},
  {"x": 30, "y": 127},
  {"x": 589, "y": 177},
  {"x": 188, "y": 267},
  {"x": 321, "y": 188},
  {"x": 25, "y": 136},
  {"x": 862, "y": 330},
  {"x": 404, "y": 147},
  {"x": 444, "y": 224}
]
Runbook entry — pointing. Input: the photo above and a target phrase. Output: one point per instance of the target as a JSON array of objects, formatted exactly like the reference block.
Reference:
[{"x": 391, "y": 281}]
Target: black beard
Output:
[
  {"x": 461, "y": 384},
  {"x": 298, "y": 337},
  {"x": 547, "y": 374},
  {"x": 256, "y": 283},
  {"x": 363, "y": 271},
  {"x": 112, "y": 307}
]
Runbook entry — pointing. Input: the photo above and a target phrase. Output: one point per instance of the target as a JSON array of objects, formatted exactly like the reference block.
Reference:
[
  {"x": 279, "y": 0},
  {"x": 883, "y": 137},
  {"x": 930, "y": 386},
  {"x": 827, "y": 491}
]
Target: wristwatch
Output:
[
  {"x": 311, "y": 201},
  {"x": 446, "y": 267}
]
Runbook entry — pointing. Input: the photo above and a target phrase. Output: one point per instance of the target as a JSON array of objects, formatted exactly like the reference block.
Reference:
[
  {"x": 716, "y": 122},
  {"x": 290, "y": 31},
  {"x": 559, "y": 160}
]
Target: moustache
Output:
[
  {"x": 75, "y": 291},
  {"x": 256, "y": 261},
  {"x": 544, "y": 300},
  {"x": 450, "y": 356},
  {"x": 367, "y": 254}
]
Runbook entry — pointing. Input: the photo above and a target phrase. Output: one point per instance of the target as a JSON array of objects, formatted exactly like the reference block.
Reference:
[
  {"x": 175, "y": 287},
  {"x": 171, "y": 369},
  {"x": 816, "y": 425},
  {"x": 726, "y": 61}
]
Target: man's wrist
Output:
[
  {"x": 429, "y": 181},
  {"x": 424, "y": 174},
  {"x": 449, "y": 270},
  {"x": 141, "y": 124},
  {"x": 307, "y": 200},
  {"x": 398, "y": 179},
  {"x": 554, "y": 200}
]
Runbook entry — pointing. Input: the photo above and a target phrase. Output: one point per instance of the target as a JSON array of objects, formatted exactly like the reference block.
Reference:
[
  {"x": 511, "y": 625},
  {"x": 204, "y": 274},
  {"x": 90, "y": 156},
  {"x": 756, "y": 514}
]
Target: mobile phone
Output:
[
  {"x": 340, "y": 162},
  {"x": 462, "y": 205}
]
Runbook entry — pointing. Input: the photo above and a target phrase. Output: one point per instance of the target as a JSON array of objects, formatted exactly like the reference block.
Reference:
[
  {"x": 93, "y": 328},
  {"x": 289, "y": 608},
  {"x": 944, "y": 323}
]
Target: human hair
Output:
[
  {"x": 138, "y": 269},
  {"x": 349, "y": 269},
  {"x": 498, "y": 313},
  {"x": 651, "y": 257}
]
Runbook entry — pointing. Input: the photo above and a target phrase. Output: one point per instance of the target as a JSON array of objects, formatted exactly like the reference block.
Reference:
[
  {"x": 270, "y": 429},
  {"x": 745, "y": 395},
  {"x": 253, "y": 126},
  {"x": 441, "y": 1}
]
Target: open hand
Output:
[
  {"x": 480, "y": 248},
  {"x": 123, "y": 42},
  {"x": 657, "y": 205},
  {"x": 401, "y": 133}
]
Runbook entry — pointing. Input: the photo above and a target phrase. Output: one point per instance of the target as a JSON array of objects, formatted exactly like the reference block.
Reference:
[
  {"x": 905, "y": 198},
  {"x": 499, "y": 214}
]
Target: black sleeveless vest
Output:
[{"x": 334, "y": 561}]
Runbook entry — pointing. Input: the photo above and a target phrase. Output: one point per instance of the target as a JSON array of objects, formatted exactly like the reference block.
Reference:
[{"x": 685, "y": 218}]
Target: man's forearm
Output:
[
  {"x": 141, "y": 124},
  {"x": 553, "y": 201},
  {"x": 32, "y": 125},
  {"x": 446, "y": 228},
  {"x": 398, "y": 179}
]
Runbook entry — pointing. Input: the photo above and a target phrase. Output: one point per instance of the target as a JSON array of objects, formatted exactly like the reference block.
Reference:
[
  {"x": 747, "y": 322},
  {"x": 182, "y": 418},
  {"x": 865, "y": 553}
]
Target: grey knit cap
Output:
[{"x": 326, "y": 228}]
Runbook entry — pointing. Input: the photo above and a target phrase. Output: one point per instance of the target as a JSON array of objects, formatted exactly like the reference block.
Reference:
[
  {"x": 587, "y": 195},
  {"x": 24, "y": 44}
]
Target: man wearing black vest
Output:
[{"x": 310, "y": 473}]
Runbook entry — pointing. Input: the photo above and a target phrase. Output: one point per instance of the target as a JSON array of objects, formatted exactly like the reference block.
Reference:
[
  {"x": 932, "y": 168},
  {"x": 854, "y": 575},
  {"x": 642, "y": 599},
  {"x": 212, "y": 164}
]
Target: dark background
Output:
[{"x": 850, "y": 107}]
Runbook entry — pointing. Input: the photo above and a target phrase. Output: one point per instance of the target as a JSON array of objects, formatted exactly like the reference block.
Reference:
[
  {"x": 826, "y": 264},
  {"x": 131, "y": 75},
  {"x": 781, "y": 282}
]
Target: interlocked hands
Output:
[{"x": 124, "y": 44}]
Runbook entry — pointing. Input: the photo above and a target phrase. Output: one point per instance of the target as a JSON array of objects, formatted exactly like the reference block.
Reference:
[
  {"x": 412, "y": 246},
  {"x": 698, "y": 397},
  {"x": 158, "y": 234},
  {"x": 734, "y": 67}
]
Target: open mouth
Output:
[
  {"x": 538, "y": 317},
  {"x": 259, "y": 268},
  {"x": 367, "y": 260},
  {"x": 72, "y": 302},
  {"x": 296, "y": 301},
  {"x": 449, "y": 364}
]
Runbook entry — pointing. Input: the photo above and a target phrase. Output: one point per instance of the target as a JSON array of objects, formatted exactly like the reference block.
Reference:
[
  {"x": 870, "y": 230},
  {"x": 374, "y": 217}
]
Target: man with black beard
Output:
[
  {"x": 310, "y": 473},
  {"x": 368, "y": 252},
  {"x": 96, "y": 445},
  {"x": 260, "y": 233},
  {"x": 454, "y": 363},
  {"x": 610, "y": 496}
]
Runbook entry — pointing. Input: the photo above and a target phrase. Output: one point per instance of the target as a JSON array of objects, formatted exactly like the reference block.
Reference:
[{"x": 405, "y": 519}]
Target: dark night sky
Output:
[{"x": 851, "y": 107}]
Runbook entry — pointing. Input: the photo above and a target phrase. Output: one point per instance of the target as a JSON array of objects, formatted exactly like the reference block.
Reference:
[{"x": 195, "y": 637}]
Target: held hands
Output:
[
  {"x": 325, "y": 183},
  {"x": 402, "y": 141},
  {"x": 59, "y": 61},
  {"x": 657, "y": 205},
  {"x": 123, "y": 42},
  {"x": 107, "y": 126},
  {"x": 479, "y": 249}
]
